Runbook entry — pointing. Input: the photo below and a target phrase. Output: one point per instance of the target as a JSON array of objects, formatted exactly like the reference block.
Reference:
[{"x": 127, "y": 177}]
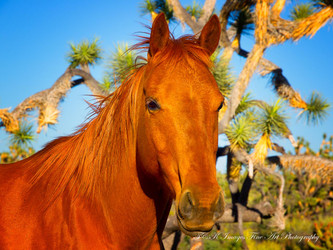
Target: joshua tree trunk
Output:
[
  {"x": 85, "y": 67},
  {"x": 243, "y": 80}
]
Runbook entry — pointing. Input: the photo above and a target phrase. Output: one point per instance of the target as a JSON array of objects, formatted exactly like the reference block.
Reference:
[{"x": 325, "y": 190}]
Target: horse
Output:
[{"x": 151, "y": 144}]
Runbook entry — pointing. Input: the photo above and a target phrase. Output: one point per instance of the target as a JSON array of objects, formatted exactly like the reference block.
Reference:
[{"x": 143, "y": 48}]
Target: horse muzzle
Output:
[{"x": 198, "y": 215}]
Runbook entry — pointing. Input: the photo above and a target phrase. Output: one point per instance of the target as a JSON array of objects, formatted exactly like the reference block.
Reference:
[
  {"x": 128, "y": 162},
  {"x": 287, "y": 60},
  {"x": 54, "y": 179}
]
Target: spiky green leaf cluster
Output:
[
  {"x": 158, "y": 6},
  {"x": 242, "y": 21},
  {"x": 221, "y": 73},
  {"x": 107, "y": 85},
  {"x": 241, "y": 131},
  {"x": 272, "y": 119},
  {"x": 121, "y": 61},
  {"x": 317, "y": 109},
  {"x": 194, "y": 10},
  {"x": 246, "y": 103},
  {"x": 163, "y": 6},
  {"x": 84, "y": 53},
  {"x": 23, "y": 136},
  {"x": 147, "y": 7},
  {"x": 302, "y": 11}
]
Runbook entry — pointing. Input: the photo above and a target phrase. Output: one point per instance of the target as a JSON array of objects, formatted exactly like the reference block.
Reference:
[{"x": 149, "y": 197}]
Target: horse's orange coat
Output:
[{"x": 111, "y": 184}]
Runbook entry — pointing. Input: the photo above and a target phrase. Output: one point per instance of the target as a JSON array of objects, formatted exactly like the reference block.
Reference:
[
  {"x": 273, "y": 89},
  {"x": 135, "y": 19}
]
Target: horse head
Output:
[{"x": 178, "y": 127}]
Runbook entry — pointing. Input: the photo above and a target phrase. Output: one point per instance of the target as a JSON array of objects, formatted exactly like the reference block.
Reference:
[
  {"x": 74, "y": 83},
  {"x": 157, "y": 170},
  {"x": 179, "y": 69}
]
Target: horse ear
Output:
[
  {"x": 210, "y": 35},
  {"x": 159, "y": 35}
]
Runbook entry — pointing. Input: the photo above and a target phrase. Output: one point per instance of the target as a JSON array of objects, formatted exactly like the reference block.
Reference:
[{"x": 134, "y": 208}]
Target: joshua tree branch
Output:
[
  {"x": 224, "y": 14},
  {"x": 181, "y": 14},
  {"x": 90, "y": 81},
  {"x": 77, "y": 82},
  {"x": 244, "y": 193},
  {"x": 255, "y": 214},
  {"x": 241, "y": 85},
  {"x": 207, "y": 10},
  {"x": 277, "y": 148},
  {"x": 222, "y": 151},
  {"x": 58, "y": 89},
  {"x": 278, "y": 7},
  {"x": 319, "y": 167},
  {"x": 279, "y": 81},
  {"x": 311, "y": 164},
  {"x": 47, "y": 100}
]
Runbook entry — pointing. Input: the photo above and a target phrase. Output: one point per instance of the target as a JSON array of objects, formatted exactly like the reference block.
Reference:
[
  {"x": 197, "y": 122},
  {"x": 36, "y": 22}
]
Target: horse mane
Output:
[
  {"x": 87, "y": 161},
  {"x": 84, "y": 160}
]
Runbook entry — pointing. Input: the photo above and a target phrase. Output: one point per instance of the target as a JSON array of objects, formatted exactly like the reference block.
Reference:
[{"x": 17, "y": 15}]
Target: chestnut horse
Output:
[{"x": 112, "y": 183}]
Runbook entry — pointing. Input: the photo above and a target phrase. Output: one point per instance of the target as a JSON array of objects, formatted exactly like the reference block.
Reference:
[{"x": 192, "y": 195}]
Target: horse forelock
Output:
[{"x": 186, "y": 48}]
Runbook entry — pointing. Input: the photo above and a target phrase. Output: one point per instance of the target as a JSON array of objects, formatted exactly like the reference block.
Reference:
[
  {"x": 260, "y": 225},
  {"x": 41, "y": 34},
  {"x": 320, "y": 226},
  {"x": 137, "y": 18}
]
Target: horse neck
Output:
[
  {"x": 132, "y": 202},
  {"x": 137, "y": 201}
]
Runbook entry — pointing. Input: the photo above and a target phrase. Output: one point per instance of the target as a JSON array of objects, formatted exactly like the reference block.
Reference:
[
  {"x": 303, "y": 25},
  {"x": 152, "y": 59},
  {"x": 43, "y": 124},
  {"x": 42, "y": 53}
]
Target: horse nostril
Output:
[
  {"x": 219, "y": 209},
  {"x": 188, "y": 195},
  {"x": 186, "y": 205}
]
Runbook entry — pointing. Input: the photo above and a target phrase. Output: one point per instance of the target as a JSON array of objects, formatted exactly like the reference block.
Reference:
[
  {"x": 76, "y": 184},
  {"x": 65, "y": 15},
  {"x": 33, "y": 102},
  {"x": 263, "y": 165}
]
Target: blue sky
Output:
[{"x": 34, "y": 40}]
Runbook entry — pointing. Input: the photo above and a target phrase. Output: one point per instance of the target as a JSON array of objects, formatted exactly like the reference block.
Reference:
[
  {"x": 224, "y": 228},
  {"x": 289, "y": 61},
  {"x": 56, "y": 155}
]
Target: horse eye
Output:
[
  {"x": 221, "y": 105},
  {"x": 152, "y": 105}
]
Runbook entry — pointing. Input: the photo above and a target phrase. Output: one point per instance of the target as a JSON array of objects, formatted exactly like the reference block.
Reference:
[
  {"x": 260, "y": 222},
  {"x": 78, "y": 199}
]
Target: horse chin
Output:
[{"x": 189, "y": 232}]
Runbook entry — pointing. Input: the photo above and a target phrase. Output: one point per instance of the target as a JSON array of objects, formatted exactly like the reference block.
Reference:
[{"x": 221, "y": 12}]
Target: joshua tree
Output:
[{"x": 47, "y": 101}]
